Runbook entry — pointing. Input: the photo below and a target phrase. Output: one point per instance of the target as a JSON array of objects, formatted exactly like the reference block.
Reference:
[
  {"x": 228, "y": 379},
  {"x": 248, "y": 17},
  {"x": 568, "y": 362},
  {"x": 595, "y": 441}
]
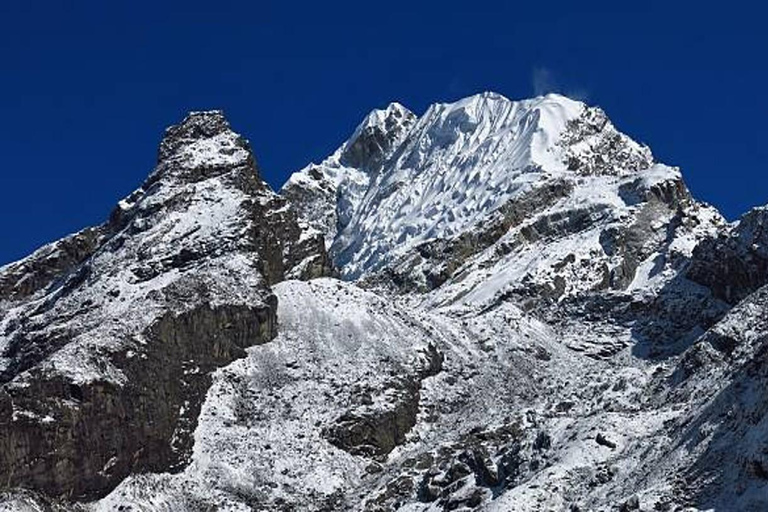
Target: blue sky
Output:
[{"x": 88, "y": 87}]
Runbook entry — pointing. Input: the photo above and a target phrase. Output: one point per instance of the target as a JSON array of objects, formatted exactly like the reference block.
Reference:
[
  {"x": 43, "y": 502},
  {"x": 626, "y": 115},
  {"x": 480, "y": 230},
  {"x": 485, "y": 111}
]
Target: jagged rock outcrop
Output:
[
  {"x": 22, "y": 279},
  {"x": 593, "y": 146},
  {"x": 377, "y": 430},
  {"x": 735, "y": 263},
  {"x": 326, "y": 196},
  {"x": 722, "y": 383},
  {"x": 108, "y": 337},
  {"x": 377, "y": 137}
]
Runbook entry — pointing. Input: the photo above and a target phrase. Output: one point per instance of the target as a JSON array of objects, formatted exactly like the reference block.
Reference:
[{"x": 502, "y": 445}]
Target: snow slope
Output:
[
  {"x": 547, "y": 172},
  {"x": 261, "y": 442},
  {"x": 458, "y": 163}
]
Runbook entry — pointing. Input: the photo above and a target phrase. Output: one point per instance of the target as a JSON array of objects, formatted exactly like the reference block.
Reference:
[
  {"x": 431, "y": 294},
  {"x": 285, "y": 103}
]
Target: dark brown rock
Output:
[
  {"x": 734, "y": 264},
  {"x": 24, "y": 278},
  {"x": 376, "y": 431},
  {"x": 127, "y": 397}
]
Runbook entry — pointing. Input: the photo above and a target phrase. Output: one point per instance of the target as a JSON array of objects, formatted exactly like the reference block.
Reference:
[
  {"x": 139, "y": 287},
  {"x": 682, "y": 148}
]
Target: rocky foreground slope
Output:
[{"x": 496, "y": 305}]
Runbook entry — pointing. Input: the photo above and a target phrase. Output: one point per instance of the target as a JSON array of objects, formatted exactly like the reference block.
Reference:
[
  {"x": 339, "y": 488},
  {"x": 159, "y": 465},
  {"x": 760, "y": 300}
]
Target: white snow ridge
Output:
[{"x": 497, "y": 305}]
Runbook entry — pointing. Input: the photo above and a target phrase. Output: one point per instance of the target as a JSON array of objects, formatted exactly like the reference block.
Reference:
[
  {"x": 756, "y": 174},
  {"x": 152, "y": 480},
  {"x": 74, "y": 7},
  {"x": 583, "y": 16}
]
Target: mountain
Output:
[
  {"x": 496, "y": 305},
  {"x": 109, "y": 336}
]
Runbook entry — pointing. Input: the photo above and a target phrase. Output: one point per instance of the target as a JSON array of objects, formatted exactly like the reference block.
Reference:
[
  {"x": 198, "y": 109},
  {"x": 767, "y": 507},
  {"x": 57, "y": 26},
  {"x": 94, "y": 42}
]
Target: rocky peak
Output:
[
  {"x": 594, "y": 146},
  {"x": 111, "y": 334},
  {"x": 562, "y": 335},
  {"x": 195, "y": 126},
  {"x": 376, "y": 137},
  {"x": 486, "y": 198},
  {"x": 203, "y": 145},
  {"x": 326, "y": 195},
  {"x": 389, "y": 118}
]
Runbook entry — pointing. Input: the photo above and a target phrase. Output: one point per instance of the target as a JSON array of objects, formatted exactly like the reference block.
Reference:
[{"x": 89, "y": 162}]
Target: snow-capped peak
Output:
[
  {"x": 327, "y": 194},
  {"x": 458, "y": 163},
  {"x": 524, "y": 130},
  {"x": 400, "y": 182},
  {"x": 378, "y": 118}
]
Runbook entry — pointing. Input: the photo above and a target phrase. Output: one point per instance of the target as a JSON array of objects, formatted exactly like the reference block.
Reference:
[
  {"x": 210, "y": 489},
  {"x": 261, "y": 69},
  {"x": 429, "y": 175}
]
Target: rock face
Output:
[
  {"x": 533, "y": 314},
  {"x": 377, "y": 431},
  {"x": 734, "y": 264},
  {"x": 22, "y": 279},
  {"x": 108, "y": 337},
  {"x": 327, "y": 195}
]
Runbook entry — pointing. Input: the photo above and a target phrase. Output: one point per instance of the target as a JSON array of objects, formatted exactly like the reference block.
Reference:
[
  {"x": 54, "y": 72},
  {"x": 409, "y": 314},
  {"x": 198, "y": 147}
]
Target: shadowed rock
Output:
[{"x": 109, "y": 336}]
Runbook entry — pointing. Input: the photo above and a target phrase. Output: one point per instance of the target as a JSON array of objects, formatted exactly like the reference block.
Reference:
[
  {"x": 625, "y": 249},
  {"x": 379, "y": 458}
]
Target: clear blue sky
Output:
[{"x": 88, "y": 87}]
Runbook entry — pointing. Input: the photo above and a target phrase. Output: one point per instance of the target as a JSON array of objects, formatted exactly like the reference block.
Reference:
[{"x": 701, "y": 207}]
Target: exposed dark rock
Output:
[
  {"x": 286, "y": 252},
  {"x": 632, "y": 503},
  {"x": 463, "y": 474},
  {"x": 543, "y": 442},
  {"x": 24, "y": 278},
  {"x": 611, "y": 152},
  {"x": 604, "y": 441},
  {"x": 673, "y": 193},
  {"x": 394, "y": 494},
  {"x": 91, "y": 392},
  {"x": 325, "y": 198},
  {"x": 374, "y": 142},
  {"x": 736, "y": 263},
  {"x": 376, "y": 431},
  {"x": 145, "y": 425}
]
